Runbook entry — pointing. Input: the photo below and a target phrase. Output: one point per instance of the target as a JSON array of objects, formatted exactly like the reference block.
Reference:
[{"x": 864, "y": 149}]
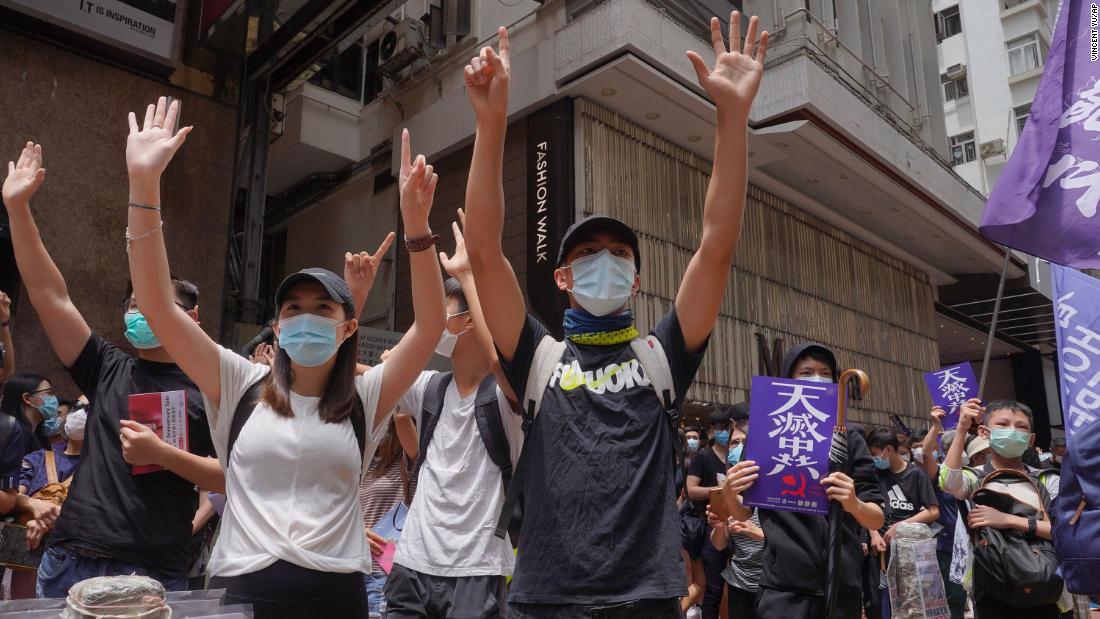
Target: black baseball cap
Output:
[
  {"x": 333, "y": 284},
  {"x": 598, "y": 223}
]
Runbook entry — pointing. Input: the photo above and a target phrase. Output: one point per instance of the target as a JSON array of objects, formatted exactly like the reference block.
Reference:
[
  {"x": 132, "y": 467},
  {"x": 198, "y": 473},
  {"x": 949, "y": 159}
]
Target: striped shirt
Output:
[
  {"x": 746, "y": 560},
  {"x": 377, "y": 495}
]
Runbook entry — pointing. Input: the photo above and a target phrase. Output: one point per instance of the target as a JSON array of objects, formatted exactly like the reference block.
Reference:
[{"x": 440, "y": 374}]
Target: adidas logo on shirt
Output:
[{"x": 898, "y": 499}]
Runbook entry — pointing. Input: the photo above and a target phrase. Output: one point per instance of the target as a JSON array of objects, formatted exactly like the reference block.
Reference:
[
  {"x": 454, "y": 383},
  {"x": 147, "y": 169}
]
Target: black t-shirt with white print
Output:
[
  {"x": 906, "y": 493},
  {"x": 600, "y": 523},
  {"x": 141, "y": 519}
]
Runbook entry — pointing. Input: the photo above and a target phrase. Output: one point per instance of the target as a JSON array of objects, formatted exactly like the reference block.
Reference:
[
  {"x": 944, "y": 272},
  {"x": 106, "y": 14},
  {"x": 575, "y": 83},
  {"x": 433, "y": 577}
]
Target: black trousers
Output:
[
  {"x": 989, "y": 608},
  {"x": 415, "y": 595},
  {"x": 791, "y": 605},
  {"x": 637, "y": 609},
  {"x": 714, "y": 563},
  {"x": 741, "y": 603},
  {"x": 287, "y": 591}
]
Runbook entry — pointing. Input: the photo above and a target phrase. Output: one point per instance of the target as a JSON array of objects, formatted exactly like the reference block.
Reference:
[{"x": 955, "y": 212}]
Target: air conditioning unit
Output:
[
  {"x": 992, "y": 148},
  {"x": 401, "y": 45},
  {"x": 956, "y": 71}
]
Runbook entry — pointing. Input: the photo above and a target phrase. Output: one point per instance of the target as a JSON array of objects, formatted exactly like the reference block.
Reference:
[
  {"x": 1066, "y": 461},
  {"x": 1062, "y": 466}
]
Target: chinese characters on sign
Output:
[
  {"x": 951, "y": 387},
  {"x": 1077, "y": 326},
  {"x": 790, "y": 428}
]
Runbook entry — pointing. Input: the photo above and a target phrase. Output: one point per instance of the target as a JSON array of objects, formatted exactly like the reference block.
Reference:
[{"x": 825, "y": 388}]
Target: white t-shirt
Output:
[
  {"x": 292, "y": 484},
  {"x": 449, "y": 529}
]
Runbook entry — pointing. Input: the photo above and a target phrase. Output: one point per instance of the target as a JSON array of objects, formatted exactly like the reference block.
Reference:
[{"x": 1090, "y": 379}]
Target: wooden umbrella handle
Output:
[{"x": 842, "y": 397}]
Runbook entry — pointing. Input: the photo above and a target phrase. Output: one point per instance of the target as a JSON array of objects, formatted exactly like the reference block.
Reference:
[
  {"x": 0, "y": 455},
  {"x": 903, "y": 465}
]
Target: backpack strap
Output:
[
  {"x": 547, "y": 356},
  {"x": 430, "y": 410},
  {"x": 1040, "y": 489},
  {"x": 491, "y": 428},
  {"x": 241, "y": 414},
  {"x": 51, "y": 467},
  {"x": 247, "y": 405},
  {"x": 651, "y": 356}
]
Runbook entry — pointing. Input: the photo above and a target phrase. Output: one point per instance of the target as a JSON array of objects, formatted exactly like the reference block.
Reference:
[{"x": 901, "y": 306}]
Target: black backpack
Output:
[
  {"x": 251, "y": 397},
  {"x": 1012, "y": 567},
  {"x": 489, "y": 425}
]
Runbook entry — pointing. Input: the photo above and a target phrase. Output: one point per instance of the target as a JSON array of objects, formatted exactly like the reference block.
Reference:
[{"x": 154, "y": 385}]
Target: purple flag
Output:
[
  {"x": 1045, "y": 201},
  {"x": 790, "y": 427},
  {"x": 951, "y": 387},
  {"x": 1077, "y": 304}
]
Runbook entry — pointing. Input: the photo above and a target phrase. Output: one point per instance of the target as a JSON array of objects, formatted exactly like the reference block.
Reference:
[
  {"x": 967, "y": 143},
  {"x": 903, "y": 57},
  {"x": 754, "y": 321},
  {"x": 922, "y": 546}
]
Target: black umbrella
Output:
[{"x": 838, "y": 463}]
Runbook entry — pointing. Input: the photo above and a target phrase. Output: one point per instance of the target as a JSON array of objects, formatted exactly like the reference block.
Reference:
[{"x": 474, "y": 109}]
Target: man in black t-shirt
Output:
[
  {"x": 708, "y": 466},
  {"x": 600, "y": 527},
  {"x": 908, "y": 497},
  {"x": 114, "y": 522}
]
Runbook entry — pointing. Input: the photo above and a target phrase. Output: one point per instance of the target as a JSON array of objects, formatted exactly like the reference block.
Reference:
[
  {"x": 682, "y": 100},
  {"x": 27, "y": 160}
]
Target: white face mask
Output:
[
  {"x": 602, "y": 283},
  {"x": 816, "y": 379},
  {"x": 74, "y": 425},
  {"x": 448, "y": 340}
]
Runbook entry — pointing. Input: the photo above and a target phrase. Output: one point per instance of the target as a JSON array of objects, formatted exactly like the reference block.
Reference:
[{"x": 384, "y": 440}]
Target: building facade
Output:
[
  {"x": 855, "y": 218},
  {"x": 69, "y": 81}
]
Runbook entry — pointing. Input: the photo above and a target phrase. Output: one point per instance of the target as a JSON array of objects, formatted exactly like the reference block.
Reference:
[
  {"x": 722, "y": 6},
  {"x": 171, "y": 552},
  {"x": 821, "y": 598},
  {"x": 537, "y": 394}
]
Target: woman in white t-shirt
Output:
[{"x": 292, "y": 542}]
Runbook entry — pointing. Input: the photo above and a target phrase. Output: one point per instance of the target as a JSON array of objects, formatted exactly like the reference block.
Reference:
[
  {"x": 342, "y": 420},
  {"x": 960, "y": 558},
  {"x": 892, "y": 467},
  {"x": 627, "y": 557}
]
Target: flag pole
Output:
[{"x": 993, "y": 322}]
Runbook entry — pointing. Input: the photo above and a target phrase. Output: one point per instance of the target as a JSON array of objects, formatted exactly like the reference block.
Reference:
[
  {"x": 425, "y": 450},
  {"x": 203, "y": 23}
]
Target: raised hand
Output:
[
  {"x": 459, "y": 263},
  {"x": 735, "y": 79},
  {"x": 487, "y": 79},
  {"x": 417, "y": 185},
  {"x": 264, "y": 354},
  {"x": 937, "y": 418},
  {"x": 5, "y": 307},
  {"x": 360, "y": 270},
  {"x": 150, "y": 148},
  {"x": 25, "y": 176}
]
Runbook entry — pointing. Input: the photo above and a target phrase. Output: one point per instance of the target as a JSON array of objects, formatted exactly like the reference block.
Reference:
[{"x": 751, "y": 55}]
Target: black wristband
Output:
[{"x": 1032, "y": 527}]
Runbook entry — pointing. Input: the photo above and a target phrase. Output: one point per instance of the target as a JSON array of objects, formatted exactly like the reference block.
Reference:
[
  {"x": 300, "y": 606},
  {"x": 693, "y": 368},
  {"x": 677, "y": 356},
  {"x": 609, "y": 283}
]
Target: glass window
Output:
[
  {"x": 954, "y": 88},
  {"x": 1022, "y": 113},
  {"x": 948, "y": 23},
  {"x": 963, "y": 149},
  {"x": 1024, "y": 54},
  {"x": 343, "y": 73}
]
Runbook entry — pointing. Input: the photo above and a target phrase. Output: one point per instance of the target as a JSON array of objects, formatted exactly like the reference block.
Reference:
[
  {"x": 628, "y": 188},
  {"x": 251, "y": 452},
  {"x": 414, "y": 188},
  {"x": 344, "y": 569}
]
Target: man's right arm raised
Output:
[
  {"x": 487, "y": 81},
  {"x": 65, "y": 327}
]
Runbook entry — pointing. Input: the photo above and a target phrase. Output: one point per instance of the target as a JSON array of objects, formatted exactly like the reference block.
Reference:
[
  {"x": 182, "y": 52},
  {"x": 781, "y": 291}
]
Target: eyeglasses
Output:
[
  {"x": 47, "y": 391},
  {"x": 130, "y": 305}
]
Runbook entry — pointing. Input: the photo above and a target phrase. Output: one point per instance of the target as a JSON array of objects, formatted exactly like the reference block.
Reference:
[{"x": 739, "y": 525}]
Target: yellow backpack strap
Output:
[{"x": 51, "y": 467}]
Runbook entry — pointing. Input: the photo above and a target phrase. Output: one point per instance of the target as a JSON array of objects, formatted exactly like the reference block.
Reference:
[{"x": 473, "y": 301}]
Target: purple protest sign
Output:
[
  {"x": 951, "y": 387},
  {"x": 1045, "y": 201},
  {"x": 790, "y": 427}
]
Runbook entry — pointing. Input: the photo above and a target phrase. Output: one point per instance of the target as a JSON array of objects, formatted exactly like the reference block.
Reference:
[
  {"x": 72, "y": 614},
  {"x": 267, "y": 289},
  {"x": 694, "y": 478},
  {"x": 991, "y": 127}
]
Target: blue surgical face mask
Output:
[
  {"x": 1008, "y": 443},
  {"x": 734, "y": 455},
  {"x": 138, "y": 331},
  {"x": 722, "y": 438},
  {"x": 309, "y": 340},
  {"x": 881, "y": 463},
  {"x": 602, "y": 283},
  {"x": 51, "y": 423},
  {"x": 693, "y": 444}
]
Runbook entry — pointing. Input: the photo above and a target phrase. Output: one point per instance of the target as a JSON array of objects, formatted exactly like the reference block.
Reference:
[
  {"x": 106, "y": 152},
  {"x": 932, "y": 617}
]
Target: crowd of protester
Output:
[{"x": 314, "y": 486}]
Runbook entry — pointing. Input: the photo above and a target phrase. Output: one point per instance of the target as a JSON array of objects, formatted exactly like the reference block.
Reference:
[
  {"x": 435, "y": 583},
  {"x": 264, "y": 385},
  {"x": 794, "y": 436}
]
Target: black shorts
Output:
[
  {"x": 637, "y": 609},
  {"x": 414, "y": 594}
]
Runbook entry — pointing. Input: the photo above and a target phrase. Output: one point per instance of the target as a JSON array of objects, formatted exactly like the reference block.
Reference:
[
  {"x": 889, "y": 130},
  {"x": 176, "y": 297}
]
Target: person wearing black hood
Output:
[{"x": 795, "y": 550}]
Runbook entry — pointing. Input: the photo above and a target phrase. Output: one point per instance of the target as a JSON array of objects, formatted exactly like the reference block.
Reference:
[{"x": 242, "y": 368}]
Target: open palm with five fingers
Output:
[
  {"x": 735, "y": 78},
  {"x": 487, "y": 79},
  {"x": 24, "y": 176},
  {"x": 150, "y": 148},
  {"x": 417, "y": 183}
]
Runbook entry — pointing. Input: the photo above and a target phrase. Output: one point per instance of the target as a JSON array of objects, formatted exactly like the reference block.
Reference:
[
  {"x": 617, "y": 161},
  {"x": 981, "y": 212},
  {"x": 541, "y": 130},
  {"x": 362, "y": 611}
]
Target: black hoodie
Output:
[{"x": 795, "y": 553}]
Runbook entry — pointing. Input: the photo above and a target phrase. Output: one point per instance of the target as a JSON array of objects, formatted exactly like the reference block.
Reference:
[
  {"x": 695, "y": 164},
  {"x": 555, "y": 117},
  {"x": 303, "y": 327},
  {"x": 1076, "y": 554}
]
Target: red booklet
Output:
[{"x": 164, "y": 413}]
